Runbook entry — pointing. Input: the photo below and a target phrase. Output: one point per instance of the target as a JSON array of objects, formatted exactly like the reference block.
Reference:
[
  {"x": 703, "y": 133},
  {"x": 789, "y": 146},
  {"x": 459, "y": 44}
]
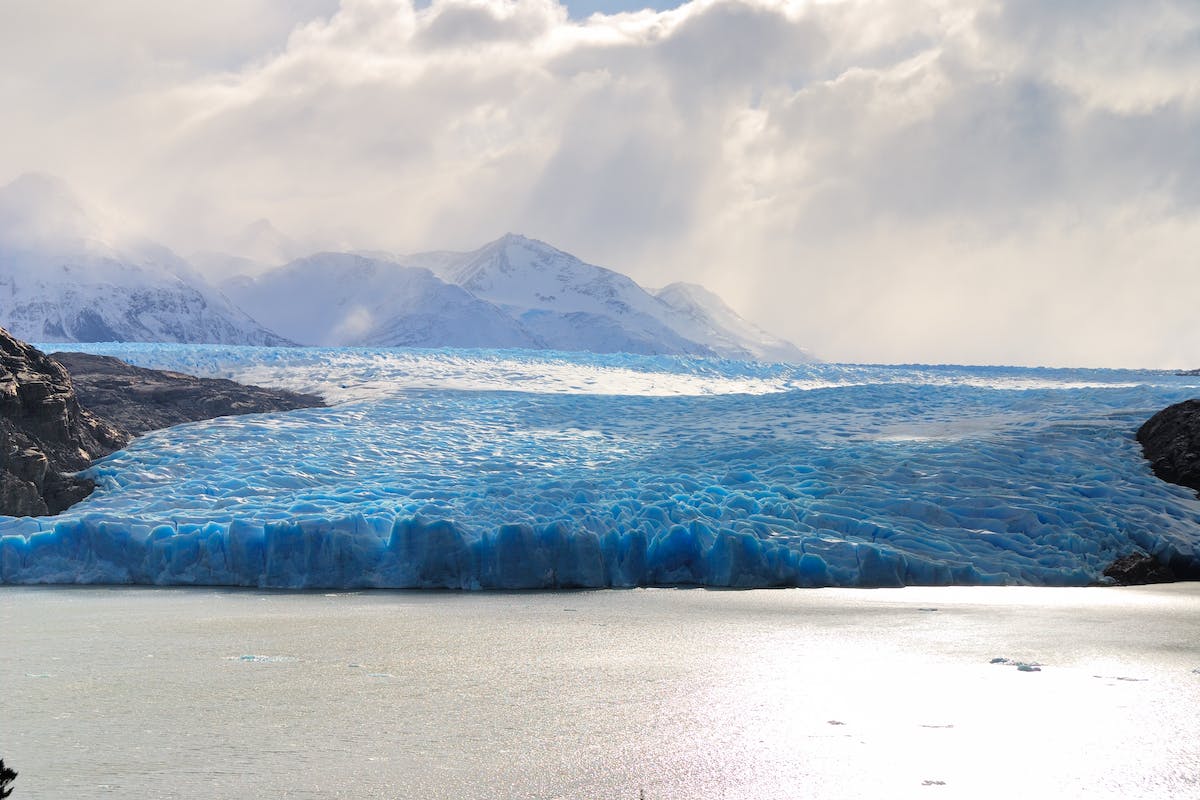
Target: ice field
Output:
[{"x": 514, "y": 469}]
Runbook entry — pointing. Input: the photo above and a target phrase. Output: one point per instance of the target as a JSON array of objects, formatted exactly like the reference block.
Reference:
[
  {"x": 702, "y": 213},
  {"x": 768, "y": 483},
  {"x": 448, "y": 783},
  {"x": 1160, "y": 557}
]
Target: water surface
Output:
[{"x": 128, "y": 692}]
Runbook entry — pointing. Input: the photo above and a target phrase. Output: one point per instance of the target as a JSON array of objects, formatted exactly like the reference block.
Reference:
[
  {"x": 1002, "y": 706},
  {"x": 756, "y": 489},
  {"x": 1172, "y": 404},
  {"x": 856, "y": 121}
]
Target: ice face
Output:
[{"x": 471, "y": 469}]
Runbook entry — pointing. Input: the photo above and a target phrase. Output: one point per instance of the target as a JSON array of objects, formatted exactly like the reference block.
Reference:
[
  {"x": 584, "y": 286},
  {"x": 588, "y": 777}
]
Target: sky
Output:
[{"x": 877, "y": 180}]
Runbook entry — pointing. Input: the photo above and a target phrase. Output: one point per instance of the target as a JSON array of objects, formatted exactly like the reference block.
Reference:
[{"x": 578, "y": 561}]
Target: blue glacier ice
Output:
[{"x": 512, "y": 469}]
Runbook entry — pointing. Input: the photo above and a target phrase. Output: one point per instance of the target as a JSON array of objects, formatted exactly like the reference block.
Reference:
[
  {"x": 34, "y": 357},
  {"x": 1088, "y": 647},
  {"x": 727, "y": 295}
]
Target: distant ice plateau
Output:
[{"x": 471, "y": 469}]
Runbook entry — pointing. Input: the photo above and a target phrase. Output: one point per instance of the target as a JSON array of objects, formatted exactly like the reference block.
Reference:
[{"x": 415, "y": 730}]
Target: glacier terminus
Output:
[{"x": 520, "y": 469}]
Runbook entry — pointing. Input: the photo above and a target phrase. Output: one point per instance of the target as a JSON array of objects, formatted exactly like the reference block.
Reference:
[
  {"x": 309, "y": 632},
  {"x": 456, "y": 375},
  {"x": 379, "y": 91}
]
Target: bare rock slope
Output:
[
  {"x": 1171, "y": 442},
  {"x": 55, "y": 419},
  {"x": 45, "y": 434},
  {"x": 139, "y": 400}
]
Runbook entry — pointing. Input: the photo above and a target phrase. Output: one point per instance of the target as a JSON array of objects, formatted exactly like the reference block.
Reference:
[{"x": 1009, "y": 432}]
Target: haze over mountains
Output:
[{"x": 64, "y": 278}]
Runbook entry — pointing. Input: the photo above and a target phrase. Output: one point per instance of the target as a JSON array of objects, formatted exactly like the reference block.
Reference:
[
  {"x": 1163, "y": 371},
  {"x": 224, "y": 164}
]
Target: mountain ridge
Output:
[{"x": 64, "y": 277}]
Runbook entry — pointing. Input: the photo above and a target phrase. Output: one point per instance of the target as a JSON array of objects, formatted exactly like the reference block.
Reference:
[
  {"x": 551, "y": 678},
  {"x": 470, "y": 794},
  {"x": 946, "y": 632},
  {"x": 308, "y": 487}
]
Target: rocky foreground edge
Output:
[
  {"x": 1171, "y": 443},
  {"x": 55, "y": 419}
]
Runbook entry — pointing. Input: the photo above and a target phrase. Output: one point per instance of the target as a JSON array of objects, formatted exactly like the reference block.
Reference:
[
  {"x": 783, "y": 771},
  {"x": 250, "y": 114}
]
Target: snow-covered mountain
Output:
[
  {"x": 64, "y": 278},
  {"x": 724, "y": 330},
  {"x": 573, "y": 305},
  {"x": 513, "y": 292},
  {"x": 567, "y": 303},
  {"x": 336, "y": 299}
]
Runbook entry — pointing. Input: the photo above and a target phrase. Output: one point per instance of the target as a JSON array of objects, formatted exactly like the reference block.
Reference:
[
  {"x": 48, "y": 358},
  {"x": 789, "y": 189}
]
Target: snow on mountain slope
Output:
[
  {"x": 336, "y": 299},
  {"x": 81, "y": 298},
  {"x": 439, "y": 262},
  {"x": 573, "y": 305},
  {"x": 582, "y": 331},
  {"x": 513, "y": 292},
  {"x": 569, "y": 304},
  {"x": 64, "y": 276},
  {"x": 724, "y": 330},
  {"x": 62, "y": 279},
  {"x": 526, "y": 274}
]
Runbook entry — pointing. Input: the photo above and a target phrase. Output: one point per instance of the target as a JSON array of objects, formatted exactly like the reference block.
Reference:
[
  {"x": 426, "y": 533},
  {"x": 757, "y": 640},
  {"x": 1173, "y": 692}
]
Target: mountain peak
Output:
[
  {"x": 687, "y": 288},
  {"x": 513, "y": 255},
  {"x": 519, "y": 240}
]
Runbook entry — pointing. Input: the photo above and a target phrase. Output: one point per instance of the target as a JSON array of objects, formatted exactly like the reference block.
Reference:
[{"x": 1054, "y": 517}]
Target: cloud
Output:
[
  {"x": 934, "y": 181},
  {"x": 478, "y": 23}
]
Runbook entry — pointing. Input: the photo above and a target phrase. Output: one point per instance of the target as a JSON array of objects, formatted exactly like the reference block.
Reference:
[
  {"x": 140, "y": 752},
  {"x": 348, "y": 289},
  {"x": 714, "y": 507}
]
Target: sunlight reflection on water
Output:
[{"x": 685, "y": 694}]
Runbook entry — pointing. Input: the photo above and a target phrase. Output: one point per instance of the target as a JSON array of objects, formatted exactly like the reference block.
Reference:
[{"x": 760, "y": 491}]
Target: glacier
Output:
[{"x": 472, "y": 469}]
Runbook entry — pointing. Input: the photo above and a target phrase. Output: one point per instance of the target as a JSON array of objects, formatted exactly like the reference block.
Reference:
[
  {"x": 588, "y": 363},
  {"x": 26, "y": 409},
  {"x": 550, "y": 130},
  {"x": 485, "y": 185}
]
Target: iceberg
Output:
[{"x": 469, "y": 469}]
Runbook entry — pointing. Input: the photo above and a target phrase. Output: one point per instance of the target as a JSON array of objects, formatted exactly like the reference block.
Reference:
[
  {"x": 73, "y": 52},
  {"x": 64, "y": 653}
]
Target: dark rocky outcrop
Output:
[
  {"x": 1137, "y": 569},
  {"x": 45, "y": 435},
  {"x": 1171, "y": 442},
  {"x": 55, "y": 419},
  {"x": 139, "y": 400}
]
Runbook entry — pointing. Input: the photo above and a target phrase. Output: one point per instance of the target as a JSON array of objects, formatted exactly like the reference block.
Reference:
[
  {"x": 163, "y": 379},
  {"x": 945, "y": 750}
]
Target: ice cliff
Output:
[{"x": 475, "y": 469}]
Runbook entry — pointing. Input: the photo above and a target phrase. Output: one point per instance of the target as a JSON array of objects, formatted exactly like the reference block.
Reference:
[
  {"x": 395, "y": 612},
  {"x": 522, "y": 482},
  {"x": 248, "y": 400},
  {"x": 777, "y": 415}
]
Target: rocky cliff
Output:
[
  {"x": 1171, "y": 442},
  {"x": 55, "y": 419},
  {"x": 45, "y": 434}
]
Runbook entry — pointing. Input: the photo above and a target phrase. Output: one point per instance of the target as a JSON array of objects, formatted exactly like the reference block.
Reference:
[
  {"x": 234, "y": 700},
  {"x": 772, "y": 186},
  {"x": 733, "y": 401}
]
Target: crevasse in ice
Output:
[{"x": 510, "y": 469}]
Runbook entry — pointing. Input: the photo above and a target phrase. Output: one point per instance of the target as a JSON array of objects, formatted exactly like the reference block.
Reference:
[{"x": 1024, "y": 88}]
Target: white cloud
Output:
[{"x": 879, "y": 180}]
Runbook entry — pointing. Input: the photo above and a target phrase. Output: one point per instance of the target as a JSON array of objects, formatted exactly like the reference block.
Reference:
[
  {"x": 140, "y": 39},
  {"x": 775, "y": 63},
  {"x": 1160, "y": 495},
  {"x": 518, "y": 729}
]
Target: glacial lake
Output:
[{"x": 824, "y": 693}]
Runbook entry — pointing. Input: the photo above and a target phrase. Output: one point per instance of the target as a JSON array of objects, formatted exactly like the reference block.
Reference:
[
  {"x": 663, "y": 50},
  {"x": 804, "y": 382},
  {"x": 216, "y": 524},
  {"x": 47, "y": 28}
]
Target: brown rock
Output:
[
  {"x": 138, "y": 400},
  {"x": 45, "y": 434},
  {"x": 54, "y": 421}
]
